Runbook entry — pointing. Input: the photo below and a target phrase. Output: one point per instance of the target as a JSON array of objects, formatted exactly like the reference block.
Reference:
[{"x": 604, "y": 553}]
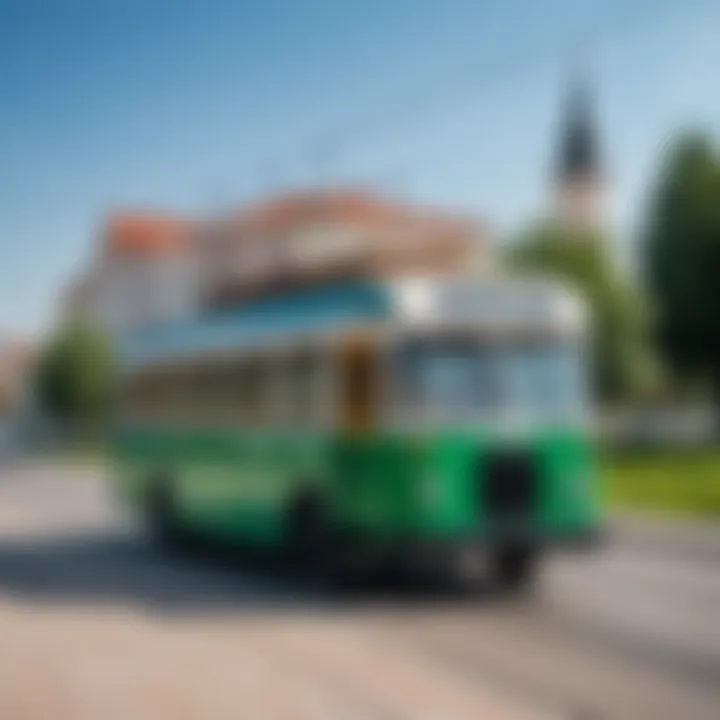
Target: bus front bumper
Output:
[
  {"x": 586, "y": 538},
  {"x": 425, "y": 551}
]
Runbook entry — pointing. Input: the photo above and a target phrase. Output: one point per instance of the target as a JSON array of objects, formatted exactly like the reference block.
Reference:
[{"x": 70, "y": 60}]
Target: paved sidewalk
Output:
[
  {"x": 94, "y": 625},
  {"x": 667, "y": 534},
  {"x": 107, "y": 664}
]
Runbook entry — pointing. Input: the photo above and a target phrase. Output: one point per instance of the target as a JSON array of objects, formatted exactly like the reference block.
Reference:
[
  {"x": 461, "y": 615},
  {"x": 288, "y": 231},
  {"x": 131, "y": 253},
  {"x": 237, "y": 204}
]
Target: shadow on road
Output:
[{"x": 123, "y": 568}]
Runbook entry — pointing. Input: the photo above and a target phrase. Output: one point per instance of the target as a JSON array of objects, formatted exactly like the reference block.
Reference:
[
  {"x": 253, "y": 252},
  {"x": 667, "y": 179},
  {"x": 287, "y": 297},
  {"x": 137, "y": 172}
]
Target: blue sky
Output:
[{"x": 195, "y": 106}]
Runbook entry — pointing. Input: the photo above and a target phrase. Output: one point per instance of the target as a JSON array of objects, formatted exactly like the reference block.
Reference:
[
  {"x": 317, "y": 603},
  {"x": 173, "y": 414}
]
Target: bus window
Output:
[
  {"x": 358, "y": 387},
  {"x": 152, "y": 397},
  {"x": 207, "y": 394},
  {"x": 455, "y": 381},
  {"x": 239, "y": 391},
  {"x": 191, "y": 396},
  {"x": 273, "y": 383},
  {"x": 177, "y": 407},
  {"x": 224, "y": 399},
  {"x": 443, "y": 379},
  {"x": 252, "y": 390},
  {"x": 135, "y": 398},
  {"x": 303, "y": 393},
  {"x": 185, "y": 396},
  {"x": 544, "y": 381},
  {"x": 167, "y": 389},
  {"x": 284, "y": 391}
]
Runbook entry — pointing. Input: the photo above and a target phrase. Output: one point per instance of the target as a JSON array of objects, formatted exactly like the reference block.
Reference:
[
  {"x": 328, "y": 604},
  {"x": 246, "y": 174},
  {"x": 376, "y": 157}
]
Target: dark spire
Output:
[{"x": 579, "y": 155}]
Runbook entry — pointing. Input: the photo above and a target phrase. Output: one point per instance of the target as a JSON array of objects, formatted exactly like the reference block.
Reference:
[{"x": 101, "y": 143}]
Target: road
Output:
[{"x": 96, "y": 623}]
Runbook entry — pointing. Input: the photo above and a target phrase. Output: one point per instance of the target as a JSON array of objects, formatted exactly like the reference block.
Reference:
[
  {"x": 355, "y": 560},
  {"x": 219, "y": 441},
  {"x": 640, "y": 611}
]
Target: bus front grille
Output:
[{"x": 507, "y": 483}]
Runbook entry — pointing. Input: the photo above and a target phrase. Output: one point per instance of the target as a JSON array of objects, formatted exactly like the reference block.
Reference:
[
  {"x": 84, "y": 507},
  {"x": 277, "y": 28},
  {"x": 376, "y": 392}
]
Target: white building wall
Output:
[{"x": 134, "y": 293}]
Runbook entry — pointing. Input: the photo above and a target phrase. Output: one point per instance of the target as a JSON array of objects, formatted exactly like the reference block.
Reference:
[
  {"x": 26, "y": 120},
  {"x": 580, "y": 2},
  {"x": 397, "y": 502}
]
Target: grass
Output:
[{"x": 685, "y": 481}]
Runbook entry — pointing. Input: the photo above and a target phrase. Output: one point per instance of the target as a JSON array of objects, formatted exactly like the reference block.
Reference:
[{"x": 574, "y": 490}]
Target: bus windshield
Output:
[{"x": 464, "y": 381}]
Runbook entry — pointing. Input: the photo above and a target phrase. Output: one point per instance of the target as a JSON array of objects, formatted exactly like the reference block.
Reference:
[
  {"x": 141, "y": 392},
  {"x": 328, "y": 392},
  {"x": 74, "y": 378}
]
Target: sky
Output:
[{"x": 198, "y": 106}]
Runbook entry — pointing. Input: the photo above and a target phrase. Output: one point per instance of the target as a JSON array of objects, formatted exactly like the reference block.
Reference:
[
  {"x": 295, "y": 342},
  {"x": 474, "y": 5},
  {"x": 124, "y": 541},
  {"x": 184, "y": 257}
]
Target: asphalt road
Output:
[{"x": 630, "y": 632}]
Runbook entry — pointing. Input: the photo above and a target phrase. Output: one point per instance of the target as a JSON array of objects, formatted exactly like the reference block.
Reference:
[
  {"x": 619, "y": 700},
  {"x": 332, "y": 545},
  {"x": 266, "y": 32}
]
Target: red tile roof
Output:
[
  {"x": 351, "y": 207},
  {"x": 146, "y": 234}
]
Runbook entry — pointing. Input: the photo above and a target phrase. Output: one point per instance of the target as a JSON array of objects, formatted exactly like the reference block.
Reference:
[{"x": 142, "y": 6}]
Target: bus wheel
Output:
[
  {"x": 306, "y": 533},
  {"x": 347, "y": 566},
  {"x": 161, "y": 515},
  {"x": 515, "y": 568}
]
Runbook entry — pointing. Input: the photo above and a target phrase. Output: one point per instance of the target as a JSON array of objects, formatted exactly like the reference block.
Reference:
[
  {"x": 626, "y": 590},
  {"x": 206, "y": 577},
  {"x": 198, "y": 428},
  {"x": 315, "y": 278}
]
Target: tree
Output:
[
  {"x": 681, "y": 258},
  {"x": 75, "y": 377},
  {"x": 622, "y": 366}
]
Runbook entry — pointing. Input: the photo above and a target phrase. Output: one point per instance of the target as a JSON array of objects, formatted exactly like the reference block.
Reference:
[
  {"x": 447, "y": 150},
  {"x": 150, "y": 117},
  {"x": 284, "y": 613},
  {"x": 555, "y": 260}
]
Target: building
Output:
[
  {"x": 143, "y": 272},
  {"x": 16, "y": 364},
  {"x": 151, "y": 268},
  {"x": 315, "y": 236},
  {"x": 578, "y": 182}
]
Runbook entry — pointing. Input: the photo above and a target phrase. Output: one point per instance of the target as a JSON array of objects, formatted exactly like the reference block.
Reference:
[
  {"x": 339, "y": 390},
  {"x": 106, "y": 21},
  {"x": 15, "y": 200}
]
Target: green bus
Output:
[{"x": 422, "y": 423}]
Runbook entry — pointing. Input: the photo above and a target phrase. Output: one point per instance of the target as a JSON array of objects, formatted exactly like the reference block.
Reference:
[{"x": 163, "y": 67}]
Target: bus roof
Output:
[{"x": 409, "y": 302}]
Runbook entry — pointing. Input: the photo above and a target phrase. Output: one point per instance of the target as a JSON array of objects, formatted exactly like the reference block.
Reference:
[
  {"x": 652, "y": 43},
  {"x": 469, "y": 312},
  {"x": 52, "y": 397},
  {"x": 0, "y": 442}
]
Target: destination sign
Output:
[{"x": 497, "y": 304}]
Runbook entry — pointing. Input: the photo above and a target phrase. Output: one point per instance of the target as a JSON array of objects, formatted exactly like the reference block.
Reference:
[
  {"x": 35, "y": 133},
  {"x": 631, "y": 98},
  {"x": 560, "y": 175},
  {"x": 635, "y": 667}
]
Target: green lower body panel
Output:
[{"x": 239, "y": 485}]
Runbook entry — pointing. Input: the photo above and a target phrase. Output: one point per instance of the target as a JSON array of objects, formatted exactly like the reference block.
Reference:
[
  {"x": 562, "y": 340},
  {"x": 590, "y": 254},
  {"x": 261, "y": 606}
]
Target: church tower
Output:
[{"x": 578, "y": 182}]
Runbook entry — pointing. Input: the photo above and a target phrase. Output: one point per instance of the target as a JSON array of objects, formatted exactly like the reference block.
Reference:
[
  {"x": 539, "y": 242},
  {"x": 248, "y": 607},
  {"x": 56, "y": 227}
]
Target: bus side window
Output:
[
  {"x": 238, "y": 391},
  {"x": 172, "y": 399},
  {"x": 133, "y": 394},
  {"x": 296, "y": 393},
  {"x": 185, "y": 396},
  {"x": 206, "y": 405},
  {"x": 273, "y": 388},
  {"x": 166, "y": 389},
  {"x": 358, "y": 387},
  {"x": 252, "y": 392},
  {"x": 281, "y": 383},
  {"x": 224, "y": 402},
  {"x": 191, "y": 395},
  {"x": 305, "y": 390},
  {"x": 147, "y": 397},
  {"x": 220, "y": 401},
  {"x": 152, "y": 397}
]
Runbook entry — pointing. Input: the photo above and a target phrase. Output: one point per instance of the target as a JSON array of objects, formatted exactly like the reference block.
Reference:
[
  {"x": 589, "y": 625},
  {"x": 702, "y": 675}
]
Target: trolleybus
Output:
[{"x": 408, "y": 422}]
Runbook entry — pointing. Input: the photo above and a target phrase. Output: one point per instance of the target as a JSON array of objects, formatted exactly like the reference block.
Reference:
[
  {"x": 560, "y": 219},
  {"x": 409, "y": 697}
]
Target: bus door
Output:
[
  {"x": 358, "y": 387},
  {"x": 359, "y": 465}
]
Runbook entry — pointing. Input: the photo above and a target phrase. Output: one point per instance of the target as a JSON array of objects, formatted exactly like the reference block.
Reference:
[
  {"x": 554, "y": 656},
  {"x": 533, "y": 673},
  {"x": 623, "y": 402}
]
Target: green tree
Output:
[
  {"x": 681, "y": 258},
  {"x": 76, "y": 376},
  {"x": 622, "y": 365}
]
